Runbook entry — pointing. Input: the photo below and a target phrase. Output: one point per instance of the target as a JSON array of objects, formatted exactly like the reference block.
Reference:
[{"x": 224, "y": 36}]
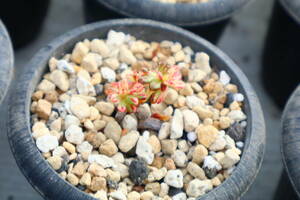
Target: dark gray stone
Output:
[
  {"x": 236, "y": 132},
  {"x": 138, "y": 171},
  {"x": 150, "y": 124}
]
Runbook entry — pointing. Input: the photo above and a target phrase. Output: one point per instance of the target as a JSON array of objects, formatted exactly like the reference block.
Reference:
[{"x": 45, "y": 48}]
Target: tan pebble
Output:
[
  {"x": 170, "y": 164},
  {"x": 220, "y": 177},
  {"x": 99, "y": 124},
  {"x": 51, "y": 96},
  {"x": 158, "y": 108},
  {"x": 52, "y": 63},
  {"x": 101, "y": 195},
  {"x": 224, "y": 112},
  {"x": 37, "y": 95},
  {"x": 86, "y": 179},
  {"x": 196, "y": 87},
  {"x": 113, "y": 63},
  {"x": 208, "y": 121},
  {"x": 56, "y": 125},
  {"x": 225, "y": 122},
  {"x": 108, "y": 148},
  {"x": 113, "y": 131},
  {"x": 63, "y": 175},
  {"x": 181, "y": 101},
  {"x": 153, "y": 187},
  {"x": 33, "y": 107},
  {"x": 126, "y": 56},
  {"x": 69, "y": 147},
  {"x": 147, "y": 195},
  {"x": 55, "y": 162},
  {"x": 97, "y": 170},
  {"x": 39, "y": 129},
  {"x": 96, "y": 78},
  {"x": 155, "y": 143},
  {"x": 94, "y": 113},
  {"x": 91, "y": 62},
  {"x": 187, "y": 178},
  {"x": 96, "y": 139},
  {"x": 105, "y": 107},
  {"x": 235, "y": 106},
  {"x": 203, "y": 112},
  {"x": 219, "y": 156},
  {"x": 79, "y": 107},
  {"x": 47, "y": 155},
  {"x": 206, "y": 134},
  {"x": 171, "y": 96},
  {"x": 100, "y": 47},
  {"x": 46, "y": 86},
  {"x": 179, "y": 56},
  {"x": 79, "y": 51},
  {"x": 187, "y": 90},
  {"x": 80, "y": 168},
  {"x": 60, "y": 79},
  {"x": 113, "y": 175},
  {"x": 215, "y": 181},
  {"x": 168, "y": 146},
  {"x": 231, "y": 88},
  {"x": 108, "y": 118},
  {"x": 98, "y": 183},
  {"x": 43, "y": 109},
  {"x": 133, "y": 196},
  {"x": 72, "y": 179},
  {"x": 199, "y": 154},
  {"x": 88, "y": 124},
  {"x": 196, "y": 171},
  {"x": 158, "y": 162}
]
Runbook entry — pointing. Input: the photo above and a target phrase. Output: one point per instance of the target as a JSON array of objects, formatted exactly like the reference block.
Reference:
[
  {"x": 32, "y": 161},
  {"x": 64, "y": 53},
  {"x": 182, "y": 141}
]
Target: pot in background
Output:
[
  {"x": 289, "y": 186},
  {"x": 205, "y": 19},
  {"x": 23, "y": 19},
  {"x": 6, "y": 61},
  {"x": 281, "y": 54},
  {"x": 49, "y": 184}
]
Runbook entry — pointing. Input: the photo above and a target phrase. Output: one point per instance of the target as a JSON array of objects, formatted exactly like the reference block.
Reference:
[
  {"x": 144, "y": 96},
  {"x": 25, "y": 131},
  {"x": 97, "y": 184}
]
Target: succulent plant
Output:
[
  {"x": 126, "y": 94},
  {"x": 160, "y": 78},
  {"x": 149, "y": 82}
]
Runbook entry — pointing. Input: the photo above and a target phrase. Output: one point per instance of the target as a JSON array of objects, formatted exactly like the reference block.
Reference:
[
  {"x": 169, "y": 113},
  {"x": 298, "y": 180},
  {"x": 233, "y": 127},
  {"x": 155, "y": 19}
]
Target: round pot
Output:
[
  {"x": 206, "y": 19},
  {"x": 290, "y": 148},
  {"x": 6, "y": 61},
  {"x": 48, "y": 183},
  {"x": 24, "y": 20},
  {"x": 280, "y": 59}
]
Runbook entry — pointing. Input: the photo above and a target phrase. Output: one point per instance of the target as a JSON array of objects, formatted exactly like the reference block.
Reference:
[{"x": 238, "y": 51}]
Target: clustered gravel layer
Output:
[
  {"x": 112, "y": 155},
  {"x": 183, "y": 1}
]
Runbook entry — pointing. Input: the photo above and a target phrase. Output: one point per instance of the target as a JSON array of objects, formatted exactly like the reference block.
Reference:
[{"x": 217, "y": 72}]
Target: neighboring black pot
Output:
[
  {"x": 23, "y": 19},
  {"x": 281, "y": 66},
  {"x": 205, "y": 19},
  {"x": 6, "y": 61},
  {"x": 49, "y": 184},
  {"x": 289, "y": 187}
]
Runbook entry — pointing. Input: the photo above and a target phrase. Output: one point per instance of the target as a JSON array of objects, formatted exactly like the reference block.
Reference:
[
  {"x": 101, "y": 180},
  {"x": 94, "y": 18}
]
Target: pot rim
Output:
[
  {"x": 292, "y": 7},
  {"x": 191, "y": 14},
  {"x": 289, "y": 141},
  {"x": 36, "y": 169},
  {"x": 6, "y": 61}
]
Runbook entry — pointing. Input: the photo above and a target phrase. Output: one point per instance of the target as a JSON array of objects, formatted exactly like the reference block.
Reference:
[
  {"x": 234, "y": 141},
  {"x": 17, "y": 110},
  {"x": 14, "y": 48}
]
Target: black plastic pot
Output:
[
  {"x": 6, "y": 61},
  {"x": 48, "y": 183},
  {"x": 205, "y": 19},
  {"x": 23, "y": 19},
  {"x": 280, "y": 60},
  {"x": 289, "y": 187}
]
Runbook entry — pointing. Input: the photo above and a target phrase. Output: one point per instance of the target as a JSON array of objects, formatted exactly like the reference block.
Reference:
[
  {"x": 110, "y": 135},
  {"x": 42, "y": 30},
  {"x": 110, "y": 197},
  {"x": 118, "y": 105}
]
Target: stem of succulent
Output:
[{"x": 149, "y": 83}]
